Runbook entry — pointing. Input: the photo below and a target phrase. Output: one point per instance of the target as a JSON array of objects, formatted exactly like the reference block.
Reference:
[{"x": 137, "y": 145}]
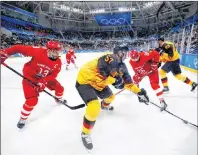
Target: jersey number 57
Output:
[{"x": 108, "y": 59}]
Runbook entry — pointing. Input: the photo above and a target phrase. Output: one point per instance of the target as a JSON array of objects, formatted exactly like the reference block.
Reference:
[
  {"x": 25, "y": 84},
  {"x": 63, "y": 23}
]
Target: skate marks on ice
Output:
[
  {"x": 132, "y": 128},
  {"x": 169, "y": 95}
]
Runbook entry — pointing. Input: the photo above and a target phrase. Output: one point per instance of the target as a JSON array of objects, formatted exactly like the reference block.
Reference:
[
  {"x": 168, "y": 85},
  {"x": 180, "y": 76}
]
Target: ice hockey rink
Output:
[{"x": 132, "y": 128}]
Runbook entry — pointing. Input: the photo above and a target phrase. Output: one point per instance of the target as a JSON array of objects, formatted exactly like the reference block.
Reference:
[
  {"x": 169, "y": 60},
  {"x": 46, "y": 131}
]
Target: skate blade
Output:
[
  {"x": 21, "y": 129},
  {"x": 167, "y": 92},
  {"x": 194, "y": 91},
  {"x": 88, "y": 151},
  {"x": 179, "y": 96},
  {"x": 162, "y": 110}
]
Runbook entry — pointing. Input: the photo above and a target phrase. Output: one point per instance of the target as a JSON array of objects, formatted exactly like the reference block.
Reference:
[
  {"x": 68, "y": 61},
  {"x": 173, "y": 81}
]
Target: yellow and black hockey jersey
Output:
[
  {"x": 169, "y": 52},
  {"x": 103, "y": 71}
]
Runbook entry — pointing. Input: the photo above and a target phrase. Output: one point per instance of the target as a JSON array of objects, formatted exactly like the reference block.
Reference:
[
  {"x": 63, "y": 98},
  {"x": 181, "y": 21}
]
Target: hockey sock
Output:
[
  {"x": 59, "y": 92},
  {"x": 87, "y": 125},
  {"x": 28, "y": 107},
  {"x": 188, "y": 81},
  {"x": 159, "y": 93},
  {"x": 107, "y": 101},
  {"x": 105, "y": 104},
  {"x": 184, "y": 79},
  {"x": 164, "y": 78},
  {"x": 92, "y": 112},
  {"x": 165, "y": 82}
]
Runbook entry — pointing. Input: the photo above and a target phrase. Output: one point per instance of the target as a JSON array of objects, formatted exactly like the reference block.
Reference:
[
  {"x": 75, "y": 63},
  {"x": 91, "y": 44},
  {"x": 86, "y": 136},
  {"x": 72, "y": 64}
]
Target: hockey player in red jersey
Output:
[
  {"x": 70, "y": 56},
  {"x": 146, "y": 64},
  {"x": 42, "y": 69}
]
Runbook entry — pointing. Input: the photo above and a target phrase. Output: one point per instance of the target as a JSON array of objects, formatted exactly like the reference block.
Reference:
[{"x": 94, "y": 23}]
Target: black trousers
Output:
[
  {"x": 172, "y": 66},
  {"x": 88, "y": 93}
]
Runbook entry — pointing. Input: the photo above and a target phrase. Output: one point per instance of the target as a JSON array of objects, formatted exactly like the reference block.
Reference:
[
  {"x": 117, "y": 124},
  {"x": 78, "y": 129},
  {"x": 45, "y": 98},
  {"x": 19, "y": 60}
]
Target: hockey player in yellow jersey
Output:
[
  {"x": 171, "y": 57},
  {"x": 92, "y": 82}
]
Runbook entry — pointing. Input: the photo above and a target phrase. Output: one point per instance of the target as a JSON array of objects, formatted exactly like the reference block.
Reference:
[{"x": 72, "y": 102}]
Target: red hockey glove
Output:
[
  {"x": 4, "y": 56},
  {"x": 137, "y": 78},
  {"x": 40, "y": 86},
  {"x": 154, "y": 66}
]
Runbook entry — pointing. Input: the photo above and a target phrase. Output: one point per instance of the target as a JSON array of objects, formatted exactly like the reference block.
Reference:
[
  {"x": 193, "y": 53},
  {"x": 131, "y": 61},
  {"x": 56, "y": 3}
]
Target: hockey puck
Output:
[{"x": 186, "y": 122}]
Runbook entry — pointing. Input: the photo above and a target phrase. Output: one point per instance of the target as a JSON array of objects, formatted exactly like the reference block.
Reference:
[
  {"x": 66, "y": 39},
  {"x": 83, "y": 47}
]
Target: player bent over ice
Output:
[
  {"x": 170, "y": 56},
  {"x": 92, "y": 82},
  {"x": 42, "y": 69},
  {"x": 146, "y": 64}
]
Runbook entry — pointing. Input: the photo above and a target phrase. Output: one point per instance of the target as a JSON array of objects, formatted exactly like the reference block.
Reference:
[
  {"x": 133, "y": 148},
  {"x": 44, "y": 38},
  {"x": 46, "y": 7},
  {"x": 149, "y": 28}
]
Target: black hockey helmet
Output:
[
  {"x": 118, "y": 49},
  {"x": 160, "y": 39},
  {"x": 121, "y": 51}
]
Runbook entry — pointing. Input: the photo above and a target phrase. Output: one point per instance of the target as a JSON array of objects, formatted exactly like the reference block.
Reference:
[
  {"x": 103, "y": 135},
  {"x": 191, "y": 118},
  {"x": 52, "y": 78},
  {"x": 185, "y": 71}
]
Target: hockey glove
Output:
[
  {"x": 40, "y": 86},
  {"x": 159, "y": 64},
  {"x": 119, "y": 83},
  {"x": 60, "y": 101},
  {"x": 154, "y": 66},
  {"x": 137, "y": 78},
  {"x": 4, "y": 56},
  {"x": 142, "y": 96}
]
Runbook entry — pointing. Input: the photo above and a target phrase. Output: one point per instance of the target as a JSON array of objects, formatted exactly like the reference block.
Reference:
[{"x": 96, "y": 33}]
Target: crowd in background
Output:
[{"x": 30, "y": 35}]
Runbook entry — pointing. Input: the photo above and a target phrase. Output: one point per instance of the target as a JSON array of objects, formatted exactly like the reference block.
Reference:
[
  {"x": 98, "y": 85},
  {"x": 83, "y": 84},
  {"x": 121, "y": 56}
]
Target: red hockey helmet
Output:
[
  {"x": 53, "y": 45},
  {"x": 54, "y": 49},
  {"x": 134, "y": 55}
]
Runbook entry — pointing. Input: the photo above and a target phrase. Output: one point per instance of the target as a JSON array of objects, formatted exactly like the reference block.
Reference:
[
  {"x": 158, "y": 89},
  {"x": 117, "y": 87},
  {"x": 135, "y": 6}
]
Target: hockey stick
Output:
[
  {"x": 185, "y": 121},
  {"x": 119, "y": 91},
  {"x": 64, "y": 102}
]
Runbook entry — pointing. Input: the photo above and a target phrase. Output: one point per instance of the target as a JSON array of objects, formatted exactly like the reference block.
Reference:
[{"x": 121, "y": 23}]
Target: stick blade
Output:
[
  {"x": 77, "y": 107},
  {"x": 72, "y": 107}
]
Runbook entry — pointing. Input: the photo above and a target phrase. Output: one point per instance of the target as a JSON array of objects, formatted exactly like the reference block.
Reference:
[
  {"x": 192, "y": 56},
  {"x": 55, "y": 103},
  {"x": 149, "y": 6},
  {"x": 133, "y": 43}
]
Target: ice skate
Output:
[
  {"x": 21, "y": 123},
  {"x": 194, "y": 85},
  {"x": 165, "y": 89},
  {"x": 106, "y": 108},
  {"x": 67, "y": 68},
  {"x": 163, "y": 105},
  {"x": 86, "y": 139}
]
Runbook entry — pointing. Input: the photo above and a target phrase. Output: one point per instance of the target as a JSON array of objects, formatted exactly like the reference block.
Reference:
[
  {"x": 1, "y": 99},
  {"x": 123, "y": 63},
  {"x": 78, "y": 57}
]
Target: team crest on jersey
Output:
[
  {"x": 167, "y": 46},
  {"x": 56, "y": 65}
]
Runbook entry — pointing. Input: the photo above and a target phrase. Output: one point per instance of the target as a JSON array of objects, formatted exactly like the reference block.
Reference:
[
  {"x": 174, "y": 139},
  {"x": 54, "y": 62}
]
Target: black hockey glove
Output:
[
  {"x": 159, "y": 64},
  {"x": 142, "y": 96},
  {"x": 119, "y": 83}
]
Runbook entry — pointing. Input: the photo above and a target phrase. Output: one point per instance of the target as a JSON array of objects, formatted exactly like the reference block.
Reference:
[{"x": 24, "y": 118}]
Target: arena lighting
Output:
[
  {"x": 97, "y": 11},
  {"x": 125, "y": 9},
  {"x": 77, "y": 10},
  {"x": 67, "y": 8},
  {"x": 149, "y": 4}
]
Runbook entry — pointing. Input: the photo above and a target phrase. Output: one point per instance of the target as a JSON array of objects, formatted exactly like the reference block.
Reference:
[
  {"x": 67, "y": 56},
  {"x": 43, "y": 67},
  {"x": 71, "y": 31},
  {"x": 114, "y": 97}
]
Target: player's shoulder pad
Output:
[
  {"x": 40, "y": 49},
  {"x": 144, "y": 54},
  {"x": 108, "y": 60}
]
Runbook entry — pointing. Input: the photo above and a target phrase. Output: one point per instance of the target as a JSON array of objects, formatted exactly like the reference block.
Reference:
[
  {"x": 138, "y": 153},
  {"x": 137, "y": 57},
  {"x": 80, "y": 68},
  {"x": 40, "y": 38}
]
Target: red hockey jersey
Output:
[
  {"x": 40, "y": 66},
  {"x": 143, "y": 66},
  {"x": 70, "y": 54}
]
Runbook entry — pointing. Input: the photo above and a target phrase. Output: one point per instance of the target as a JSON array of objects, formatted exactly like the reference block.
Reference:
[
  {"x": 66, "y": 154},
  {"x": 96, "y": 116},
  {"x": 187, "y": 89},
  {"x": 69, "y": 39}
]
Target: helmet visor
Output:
[{"x": 53, "y": 54}]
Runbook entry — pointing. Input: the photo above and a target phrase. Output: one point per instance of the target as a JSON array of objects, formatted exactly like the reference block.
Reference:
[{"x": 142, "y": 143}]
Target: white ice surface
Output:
[{"x": 132, "y": 129}]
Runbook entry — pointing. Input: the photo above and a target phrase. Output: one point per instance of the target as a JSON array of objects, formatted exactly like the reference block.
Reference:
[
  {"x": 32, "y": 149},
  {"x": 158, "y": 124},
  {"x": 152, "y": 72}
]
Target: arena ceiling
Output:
[{"x": 80, "y": 15}]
